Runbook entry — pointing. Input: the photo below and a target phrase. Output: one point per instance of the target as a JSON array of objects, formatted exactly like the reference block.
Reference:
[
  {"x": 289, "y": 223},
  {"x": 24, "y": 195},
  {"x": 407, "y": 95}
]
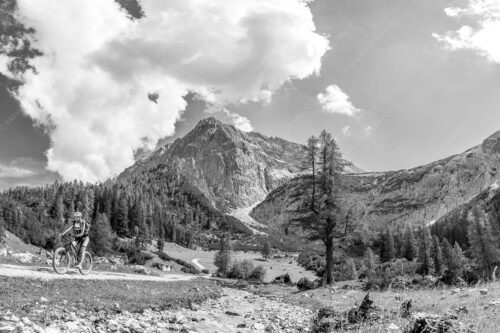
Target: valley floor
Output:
[{"x": 204, "y": 305}]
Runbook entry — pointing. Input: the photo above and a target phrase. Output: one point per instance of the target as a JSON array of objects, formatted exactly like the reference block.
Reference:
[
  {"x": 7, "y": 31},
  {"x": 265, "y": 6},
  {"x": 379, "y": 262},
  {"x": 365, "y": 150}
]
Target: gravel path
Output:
[{"x": 48, "y": 273}]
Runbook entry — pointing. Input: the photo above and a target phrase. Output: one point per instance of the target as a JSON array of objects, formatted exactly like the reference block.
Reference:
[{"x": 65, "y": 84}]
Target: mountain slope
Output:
[
  {"x": 453, "y": 225},
  {"x": 417, "y": 195},
  {"x": 232, "y": 168}
]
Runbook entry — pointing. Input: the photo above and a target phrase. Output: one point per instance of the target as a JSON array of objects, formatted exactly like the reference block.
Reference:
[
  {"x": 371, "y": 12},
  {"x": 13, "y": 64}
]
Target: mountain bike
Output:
[{"x": 67, "y": 256}]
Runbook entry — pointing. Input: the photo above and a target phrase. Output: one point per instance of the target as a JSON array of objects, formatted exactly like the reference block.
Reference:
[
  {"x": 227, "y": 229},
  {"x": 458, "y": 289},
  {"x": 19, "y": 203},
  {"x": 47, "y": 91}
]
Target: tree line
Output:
[{"x": 158, "y": 203}]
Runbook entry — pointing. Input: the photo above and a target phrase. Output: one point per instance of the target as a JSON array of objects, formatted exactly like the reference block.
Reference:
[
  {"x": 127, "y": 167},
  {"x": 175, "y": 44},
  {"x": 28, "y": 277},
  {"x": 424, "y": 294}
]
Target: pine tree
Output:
[
  {"x": 370, "y": 262},
  {"x": 483, "y": 245},
  {"x": 350, "y": 269},
  {"x": 101, "y": 236},
  {"x": 122, "y": 217},
  {"x": 425, "y": 253},
  {"x": 222, "y": 259},
  {"x": 410, "y": 247},
  {"x": 161, "y": 244},
  {"x": 59, "y": 210},
  {"x": 460, "y": 255},
  {"x": 399, "y": 244},
  {"x": 267, "y": 250},
  {"x": 451, "y": 259},
  {"x": 2, "y": 227},
  {"x": 388, "y": 249},
  {"x": 437, "y": 256}
]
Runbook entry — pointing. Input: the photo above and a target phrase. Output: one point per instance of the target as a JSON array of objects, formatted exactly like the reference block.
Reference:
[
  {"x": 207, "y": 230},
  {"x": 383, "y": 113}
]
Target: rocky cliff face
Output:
[
  {"x": 417, "y": 195},
  {"x": 233, "y": 169}
]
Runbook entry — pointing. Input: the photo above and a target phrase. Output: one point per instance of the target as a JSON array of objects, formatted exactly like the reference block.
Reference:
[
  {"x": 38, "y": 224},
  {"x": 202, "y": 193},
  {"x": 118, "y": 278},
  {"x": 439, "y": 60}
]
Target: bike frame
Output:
[{"x": 71, "y": 248}]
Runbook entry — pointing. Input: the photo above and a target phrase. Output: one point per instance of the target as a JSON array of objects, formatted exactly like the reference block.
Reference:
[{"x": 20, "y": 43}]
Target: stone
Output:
[
  {"x": 232, "y": 313},
  {"x": 178, "y": 318},
  {"x": 38, "y": 329},
  {"x": 393, "y": 328},
  {"x": 7, "y": 329},
  {"x": 43, "y": 300},
  {"x": 483, "y": 291},
  {"x": 258, "y": 326},
  {"x": 14, "y": 318}
]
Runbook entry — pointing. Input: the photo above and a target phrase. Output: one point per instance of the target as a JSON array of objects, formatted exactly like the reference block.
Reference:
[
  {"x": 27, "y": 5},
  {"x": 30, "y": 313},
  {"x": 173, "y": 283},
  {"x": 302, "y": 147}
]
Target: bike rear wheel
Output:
[
  {"x": 61, "y": 260},
  {"x": 86, "y": 264}
]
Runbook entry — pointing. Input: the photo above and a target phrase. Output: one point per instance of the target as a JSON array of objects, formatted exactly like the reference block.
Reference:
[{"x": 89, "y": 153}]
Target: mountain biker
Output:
[{"x": 81, "y": 234}]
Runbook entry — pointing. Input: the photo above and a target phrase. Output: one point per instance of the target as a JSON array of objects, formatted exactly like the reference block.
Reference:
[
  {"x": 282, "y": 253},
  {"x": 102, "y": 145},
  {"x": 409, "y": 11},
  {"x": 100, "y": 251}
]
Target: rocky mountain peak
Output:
[
  {"x": 233, "y": 169},
  {"x": 492, "y": 144},
  {"x": 209, "y": 122}
]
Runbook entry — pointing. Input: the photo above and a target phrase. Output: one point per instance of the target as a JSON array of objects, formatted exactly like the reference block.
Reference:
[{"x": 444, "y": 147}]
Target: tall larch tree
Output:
[{"x": 322, "y": 213}]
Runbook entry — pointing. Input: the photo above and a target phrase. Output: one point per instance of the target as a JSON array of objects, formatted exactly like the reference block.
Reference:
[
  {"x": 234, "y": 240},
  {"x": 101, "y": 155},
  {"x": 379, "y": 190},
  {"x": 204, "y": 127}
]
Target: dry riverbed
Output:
[{"x": 132, "y": 306}]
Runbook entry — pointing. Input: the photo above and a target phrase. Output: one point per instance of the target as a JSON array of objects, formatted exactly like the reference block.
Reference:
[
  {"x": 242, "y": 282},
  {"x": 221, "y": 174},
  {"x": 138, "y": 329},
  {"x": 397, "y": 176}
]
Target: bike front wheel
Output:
[
  {"x": 86, "y": 264},
  {"x": 61, "y": 260}
]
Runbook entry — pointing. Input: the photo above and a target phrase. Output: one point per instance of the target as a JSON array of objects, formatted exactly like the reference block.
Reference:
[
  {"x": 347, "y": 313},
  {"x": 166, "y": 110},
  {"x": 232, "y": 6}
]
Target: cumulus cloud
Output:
[
  {"x": 334, "y": 100},
  {"x": 483, "y": 37},
  {"x": 93, "y": 88}
]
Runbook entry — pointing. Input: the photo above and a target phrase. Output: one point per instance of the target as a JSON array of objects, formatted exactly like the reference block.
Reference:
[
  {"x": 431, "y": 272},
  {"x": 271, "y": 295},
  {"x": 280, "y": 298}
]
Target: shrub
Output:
[
  {"x": 258, "y": 273},
  {"x": 350, "y": 271},
  {"x": 324, "y": 321},
  {"x": 305, "y": 284},
  {"x": 267, "y": 250},
  {"x": 241, "y": 269},
  {"x": 285, "y": 278},
  {"x": 136, "y": 256},
  {"x": 190, "y": 269},
  {"x": 388, "y": 272}
]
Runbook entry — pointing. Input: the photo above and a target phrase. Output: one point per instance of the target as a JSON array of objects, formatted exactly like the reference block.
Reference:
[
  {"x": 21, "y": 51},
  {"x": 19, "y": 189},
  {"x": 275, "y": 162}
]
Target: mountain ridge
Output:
[{"x": 417, "y": 195}]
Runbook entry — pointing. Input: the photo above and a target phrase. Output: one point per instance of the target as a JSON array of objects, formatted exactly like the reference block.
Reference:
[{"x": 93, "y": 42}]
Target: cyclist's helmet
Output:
[{"x": 77, "y": 215}]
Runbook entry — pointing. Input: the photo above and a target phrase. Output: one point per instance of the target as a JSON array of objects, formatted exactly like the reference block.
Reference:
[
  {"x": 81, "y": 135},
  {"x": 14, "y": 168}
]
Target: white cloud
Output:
[
  {"x": 240, "y": 122},
  {"x": 484, "y": 37},
  {"x": 346, "y": 130},
  {"x": 334, "y": 100},
  {"x": 92, "y": 84},
  {"x": 9, "y": 171}
]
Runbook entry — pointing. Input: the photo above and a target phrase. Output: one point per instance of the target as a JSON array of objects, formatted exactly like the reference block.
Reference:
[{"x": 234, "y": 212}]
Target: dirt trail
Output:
[{"x": 49, "y": 274}]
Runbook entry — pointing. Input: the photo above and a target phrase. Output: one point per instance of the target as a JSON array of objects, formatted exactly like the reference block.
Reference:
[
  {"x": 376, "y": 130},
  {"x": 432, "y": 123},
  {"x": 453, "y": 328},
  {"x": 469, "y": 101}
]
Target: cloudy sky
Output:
[{"x": 399, "y": 82}]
